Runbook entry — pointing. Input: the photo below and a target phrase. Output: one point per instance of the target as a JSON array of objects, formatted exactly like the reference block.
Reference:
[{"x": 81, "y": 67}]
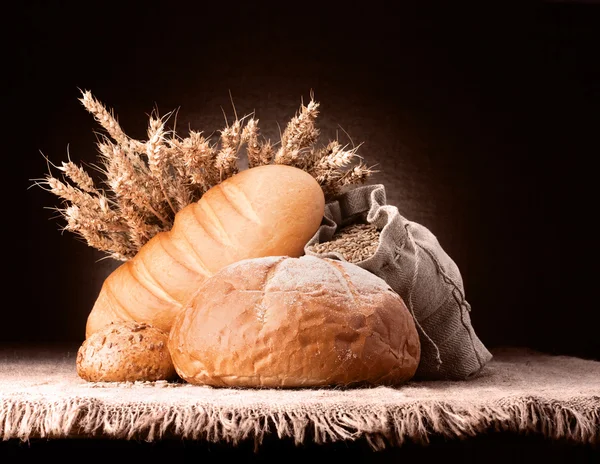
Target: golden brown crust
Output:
[
  {"x": 125, "y": 352},
  {"x": 292, "y": 322},
  {"x": 263, "y": 211}
]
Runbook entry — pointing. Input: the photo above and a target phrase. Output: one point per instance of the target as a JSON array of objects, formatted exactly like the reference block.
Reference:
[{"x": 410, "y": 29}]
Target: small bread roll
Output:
[
  {"x": 294, "y": 322},
  {"x": 125, "y": 352}
]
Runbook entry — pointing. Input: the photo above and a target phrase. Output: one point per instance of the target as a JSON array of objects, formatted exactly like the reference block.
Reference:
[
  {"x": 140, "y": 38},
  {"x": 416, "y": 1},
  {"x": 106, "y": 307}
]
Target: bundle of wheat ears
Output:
[{"x": 148, "y": 182}]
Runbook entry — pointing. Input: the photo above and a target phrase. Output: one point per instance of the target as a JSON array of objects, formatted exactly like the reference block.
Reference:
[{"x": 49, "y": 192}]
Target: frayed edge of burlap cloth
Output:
[{"x": 519, "y": 391}]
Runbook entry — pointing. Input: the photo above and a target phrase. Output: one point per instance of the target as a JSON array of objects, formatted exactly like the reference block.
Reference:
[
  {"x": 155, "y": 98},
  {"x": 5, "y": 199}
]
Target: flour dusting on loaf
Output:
[{"x": 289, "y": 322}]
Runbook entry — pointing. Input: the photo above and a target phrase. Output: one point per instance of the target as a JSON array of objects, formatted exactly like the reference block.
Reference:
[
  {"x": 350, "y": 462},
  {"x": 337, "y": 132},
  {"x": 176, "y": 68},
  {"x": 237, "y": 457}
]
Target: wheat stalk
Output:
[
  {"x": 258, "y": 152},
  {"x": 148, "y": 182},
  {"x": 227, "y": 157},
  {"x": 79, "y": 176},
  {"x": 166, "y": 167},
  {"x": 300, "y": 133},
  {"x": 198, "y": 157},
  {"x": 107, "y": 120},
  {"x": 132, "y": 184}
]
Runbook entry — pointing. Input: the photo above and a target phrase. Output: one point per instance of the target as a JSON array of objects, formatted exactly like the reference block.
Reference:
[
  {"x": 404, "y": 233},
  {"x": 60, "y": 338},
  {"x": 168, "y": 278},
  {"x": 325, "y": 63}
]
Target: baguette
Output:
[{"x": 262, "y": 211}]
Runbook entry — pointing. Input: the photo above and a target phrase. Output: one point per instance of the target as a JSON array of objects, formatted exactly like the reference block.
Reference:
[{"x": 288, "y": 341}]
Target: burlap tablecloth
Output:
[{"x": 520, "y": 391}]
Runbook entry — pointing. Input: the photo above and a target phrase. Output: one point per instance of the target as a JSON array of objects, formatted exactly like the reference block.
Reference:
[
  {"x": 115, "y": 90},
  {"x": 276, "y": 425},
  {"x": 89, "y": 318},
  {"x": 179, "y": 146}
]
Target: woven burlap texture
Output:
[
  {"x": 411, "y": 260},
  {"x": 519, "y": 390}
]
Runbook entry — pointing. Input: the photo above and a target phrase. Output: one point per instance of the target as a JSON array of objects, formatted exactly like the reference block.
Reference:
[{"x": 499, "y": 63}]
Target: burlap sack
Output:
[{"x": 410, "y": 259}]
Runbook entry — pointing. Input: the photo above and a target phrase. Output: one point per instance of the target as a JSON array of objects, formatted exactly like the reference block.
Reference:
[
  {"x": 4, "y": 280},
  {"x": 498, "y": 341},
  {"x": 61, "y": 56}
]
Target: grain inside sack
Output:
[{"x": 355, "y": 242}]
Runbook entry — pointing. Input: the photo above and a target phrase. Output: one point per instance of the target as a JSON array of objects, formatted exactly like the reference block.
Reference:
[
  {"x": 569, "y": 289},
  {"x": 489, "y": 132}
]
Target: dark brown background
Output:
[{"x": 483, "y": 122}]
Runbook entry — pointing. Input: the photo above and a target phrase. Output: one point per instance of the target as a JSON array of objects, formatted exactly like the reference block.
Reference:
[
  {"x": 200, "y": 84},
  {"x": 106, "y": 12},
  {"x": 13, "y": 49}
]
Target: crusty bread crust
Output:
[
  {"x": 293, "y": 322},
  {"x": 125, "y": 352}
]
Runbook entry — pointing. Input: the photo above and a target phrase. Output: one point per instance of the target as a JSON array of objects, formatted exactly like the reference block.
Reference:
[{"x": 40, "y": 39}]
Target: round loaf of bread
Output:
[
  {"x": 125, "y": 352},
  {"x": 292, "y": 322}
]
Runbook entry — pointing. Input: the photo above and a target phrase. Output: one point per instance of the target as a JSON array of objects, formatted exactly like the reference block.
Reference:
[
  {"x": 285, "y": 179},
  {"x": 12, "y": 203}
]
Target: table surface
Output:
[{"x": 520, "y": 391}]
